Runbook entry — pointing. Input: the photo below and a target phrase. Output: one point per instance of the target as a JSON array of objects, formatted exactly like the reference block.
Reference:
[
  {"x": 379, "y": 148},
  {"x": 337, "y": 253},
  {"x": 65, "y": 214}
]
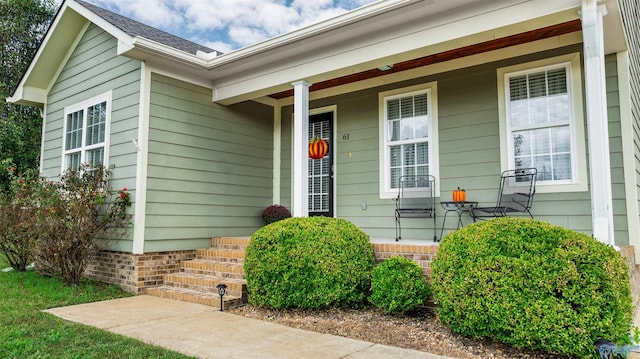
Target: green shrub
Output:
[
  {"x": 313, "y": 262},
  {"x": 531, "y": 284},
  {"x": 398, "y": 285}
]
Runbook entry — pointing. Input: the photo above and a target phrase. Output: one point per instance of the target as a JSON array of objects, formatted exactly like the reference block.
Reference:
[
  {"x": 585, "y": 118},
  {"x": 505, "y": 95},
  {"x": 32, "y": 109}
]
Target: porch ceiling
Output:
[{"x": 517, "y": 39}]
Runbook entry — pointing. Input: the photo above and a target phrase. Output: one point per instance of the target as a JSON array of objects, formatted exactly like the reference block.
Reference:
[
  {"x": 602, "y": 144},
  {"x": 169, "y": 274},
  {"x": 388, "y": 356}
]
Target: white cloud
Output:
[
  {"x": 226, "y": 25},
  {"x": 221, "y": 46}
]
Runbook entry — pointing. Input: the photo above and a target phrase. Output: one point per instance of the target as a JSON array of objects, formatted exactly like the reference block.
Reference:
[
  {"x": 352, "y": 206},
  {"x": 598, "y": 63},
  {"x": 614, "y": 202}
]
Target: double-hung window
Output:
[
  {"x": 86, "y": 128},
  {"x": 541, "y": 122},
  {"x": 408, "y": 126}
]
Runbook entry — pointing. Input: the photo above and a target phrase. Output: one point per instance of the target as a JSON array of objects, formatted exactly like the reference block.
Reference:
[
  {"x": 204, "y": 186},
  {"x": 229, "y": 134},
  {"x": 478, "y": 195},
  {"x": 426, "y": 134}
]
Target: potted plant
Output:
[{"x": 275, "y": 213}]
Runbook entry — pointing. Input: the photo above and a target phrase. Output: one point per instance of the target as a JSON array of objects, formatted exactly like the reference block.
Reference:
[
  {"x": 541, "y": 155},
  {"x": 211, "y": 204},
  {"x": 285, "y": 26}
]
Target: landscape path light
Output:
[{"x": 222, "y": 289}]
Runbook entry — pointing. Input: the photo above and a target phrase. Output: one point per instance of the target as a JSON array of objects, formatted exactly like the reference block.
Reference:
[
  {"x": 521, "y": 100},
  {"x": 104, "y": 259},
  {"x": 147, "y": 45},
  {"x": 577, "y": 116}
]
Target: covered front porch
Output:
[
  {"x": 468, "y": 137},
  {"x": 398, "y": 87}
]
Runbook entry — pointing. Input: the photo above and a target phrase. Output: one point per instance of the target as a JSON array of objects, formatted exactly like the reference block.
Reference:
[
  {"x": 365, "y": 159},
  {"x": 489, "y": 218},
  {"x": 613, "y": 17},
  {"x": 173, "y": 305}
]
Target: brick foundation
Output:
[
  {"x": 134, "y": 272},
  {"x": 423, "y": 254}
]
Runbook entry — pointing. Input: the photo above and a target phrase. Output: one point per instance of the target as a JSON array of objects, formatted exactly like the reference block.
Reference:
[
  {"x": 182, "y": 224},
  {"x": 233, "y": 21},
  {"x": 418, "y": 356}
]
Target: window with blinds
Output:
[
  {"x": 407, "y": 136},
  {"x": 85, "y": 130},
  {"x": 540, "y": 121}
]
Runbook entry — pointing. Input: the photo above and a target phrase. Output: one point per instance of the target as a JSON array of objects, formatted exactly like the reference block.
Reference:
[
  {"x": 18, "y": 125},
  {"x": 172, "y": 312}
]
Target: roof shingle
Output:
[{"x": 135, "y": 28}]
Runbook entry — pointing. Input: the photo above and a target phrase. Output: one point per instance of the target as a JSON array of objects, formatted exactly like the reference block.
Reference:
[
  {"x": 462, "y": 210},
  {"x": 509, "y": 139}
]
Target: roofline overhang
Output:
[
  {"x": 221, "y": 71},
  {"x": 465, "y": 29},
  {"x": 139, "y": 46},
  {"x": 71, "y": 17},
  {"x": 340, "y": 21}
]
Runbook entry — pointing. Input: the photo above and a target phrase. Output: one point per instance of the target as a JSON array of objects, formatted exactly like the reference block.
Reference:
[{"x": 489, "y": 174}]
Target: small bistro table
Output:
[{"x": 459, "y": 208}]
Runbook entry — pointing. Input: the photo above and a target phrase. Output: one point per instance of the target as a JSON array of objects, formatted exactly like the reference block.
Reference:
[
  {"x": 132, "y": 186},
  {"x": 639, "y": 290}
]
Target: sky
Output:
[{"x": 227, "y": 25}]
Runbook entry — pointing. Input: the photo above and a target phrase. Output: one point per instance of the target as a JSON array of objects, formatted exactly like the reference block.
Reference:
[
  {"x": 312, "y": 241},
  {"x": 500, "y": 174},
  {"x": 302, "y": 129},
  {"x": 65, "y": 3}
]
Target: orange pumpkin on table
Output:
[
  {"x": 318, "y": 148},
  {"x": 459, "y": 195}
]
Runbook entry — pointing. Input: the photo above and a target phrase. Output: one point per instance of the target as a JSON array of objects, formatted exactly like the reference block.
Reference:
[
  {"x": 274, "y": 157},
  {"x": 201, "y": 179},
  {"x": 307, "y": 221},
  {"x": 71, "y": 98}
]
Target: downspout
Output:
[
  {"x": 300, "y": 187},
  {"x": 597, "y": 121},
  {"x": 43, "y": 115}
]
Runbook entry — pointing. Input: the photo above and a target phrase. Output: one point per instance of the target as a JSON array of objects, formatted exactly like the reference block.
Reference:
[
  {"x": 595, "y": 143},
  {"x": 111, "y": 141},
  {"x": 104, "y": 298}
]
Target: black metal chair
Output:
[
  {"x": 415, "y": 200},
  {"x": 517, "y": 188}
]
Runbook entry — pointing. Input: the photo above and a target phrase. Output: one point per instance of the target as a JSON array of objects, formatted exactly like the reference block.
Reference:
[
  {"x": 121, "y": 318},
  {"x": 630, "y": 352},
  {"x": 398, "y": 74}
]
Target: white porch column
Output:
[
  {"x": 277, "y": 148},
  {"x": 300, "y": 195},
  {"x": 597, "y": 121}
]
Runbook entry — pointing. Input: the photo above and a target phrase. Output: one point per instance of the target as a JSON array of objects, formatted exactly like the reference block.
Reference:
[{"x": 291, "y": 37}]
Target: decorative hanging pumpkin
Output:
[
  {"x": 459, "y": 195},
  {"x": 318, "y": 148}
]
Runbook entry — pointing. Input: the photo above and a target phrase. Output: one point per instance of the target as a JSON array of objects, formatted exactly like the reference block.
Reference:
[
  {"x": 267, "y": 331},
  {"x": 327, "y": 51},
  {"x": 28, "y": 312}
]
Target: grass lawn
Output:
[{"x": 27, "y": 332}]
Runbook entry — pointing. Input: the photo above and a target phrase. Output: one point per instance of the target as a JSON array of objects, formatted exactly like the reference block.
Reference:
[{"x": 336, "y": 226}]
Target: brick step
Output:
[
  {"x": 426, "y": 266},
  {"x": 193, "y": 296},
  {"x": 206, "y": 283},
  {"x": 226, "y": 270},
  {"x": 221, "y": 255},
  {"x": 197, "y": 280},
  {"x": 230, "y": 242}
]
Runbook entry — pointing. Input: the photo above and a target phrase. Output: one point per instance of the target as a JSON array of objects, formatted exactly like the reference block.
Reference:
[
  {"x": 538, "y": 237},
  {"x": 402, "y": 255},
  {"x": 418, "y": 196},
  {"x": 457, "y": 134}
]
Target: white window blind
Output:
[
  {"x": 540, "y": 123},
  {"x": 407, "y": 136}
]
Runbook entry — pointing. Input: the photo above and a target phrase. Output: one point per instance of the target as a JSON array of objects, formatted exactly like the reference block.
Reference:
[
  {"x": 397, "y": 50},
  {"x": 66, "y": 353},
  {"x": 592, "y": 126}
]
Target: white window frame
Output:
[
  {"x": 84, "y": 105},
  {"x": 571, "y": 62},
  {"x": 431, "y": 89}
]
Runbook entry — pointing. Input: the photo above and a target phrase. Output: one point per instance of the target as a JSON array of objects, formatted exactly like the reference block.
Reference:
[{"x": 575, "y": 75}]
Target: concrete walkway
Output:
[{"x": 201, "y": 331}]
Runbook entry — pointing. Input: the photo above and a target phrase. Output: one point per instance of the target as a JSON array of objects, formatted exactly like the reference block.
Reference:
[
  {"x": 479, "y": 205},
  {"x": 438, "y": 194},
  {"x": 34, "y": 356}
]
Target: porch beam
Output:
[
  {"x": 448, "y": 55},
  {"x": 597, "y": 121},
  {"x": 300, "y": 185}
]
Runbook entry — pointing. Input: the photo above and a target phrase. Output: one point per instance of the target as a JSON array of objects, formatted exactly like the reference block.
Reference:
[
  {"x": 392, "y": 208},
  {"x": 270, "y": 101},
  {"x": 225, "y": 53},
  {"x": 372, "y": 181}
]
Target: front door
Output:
[{"x": 321, "y": 170}]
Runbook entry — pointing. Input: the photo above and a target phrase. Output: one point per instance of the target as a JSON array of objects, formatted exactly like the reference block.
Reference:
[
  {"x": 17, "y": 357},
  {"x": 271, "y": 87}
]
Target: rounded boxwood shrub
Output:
[
  {"x": 313, "y": 262},
  {"x": 532, "y": 284},
  {"x": 398, "y": 285}
]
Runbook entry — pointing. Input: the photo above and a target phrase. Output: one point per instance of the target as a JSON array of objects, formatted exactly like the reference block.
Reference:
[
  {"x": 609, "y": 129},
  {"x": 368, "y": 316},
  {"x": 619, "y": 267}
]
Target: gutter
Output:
[
  {"x": 362, "y": 13},
  {"x": 210, "y": 61}
]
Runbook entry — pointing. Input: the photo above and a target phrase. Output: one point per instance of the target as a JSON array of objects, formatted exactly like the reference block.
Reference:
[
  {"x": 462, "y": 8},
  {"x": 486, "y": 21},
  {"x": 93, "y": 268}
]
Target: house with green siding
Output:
[{"x": 204, "y": 141}]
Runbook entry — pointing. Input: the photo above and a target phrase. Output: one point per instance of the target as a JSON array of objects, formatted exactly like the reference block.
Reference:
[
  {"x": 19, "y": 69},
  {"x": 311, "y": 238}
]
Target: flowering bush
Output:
[
  {"x": 82, "y": 218},
  {"x": 122, "y": 201},
  {"x": 275, "y": 213},
  {"x": 61, "y": 225}
]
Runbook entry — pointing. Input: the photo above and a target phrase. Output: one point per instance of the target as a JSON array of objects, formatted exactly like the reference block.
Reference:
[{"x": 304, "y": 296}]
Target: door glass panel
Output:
[{"x": 320, "y": 171}]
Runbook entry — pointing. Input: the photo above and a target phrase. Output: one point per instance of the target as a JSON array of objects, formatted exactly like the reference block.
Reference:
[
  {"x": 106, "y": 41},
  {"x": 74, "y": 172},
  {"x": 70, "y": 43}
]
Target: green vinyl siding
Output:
[
  {"x": 92, "y": 69},
  {"x": 210, "y": 167}
]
